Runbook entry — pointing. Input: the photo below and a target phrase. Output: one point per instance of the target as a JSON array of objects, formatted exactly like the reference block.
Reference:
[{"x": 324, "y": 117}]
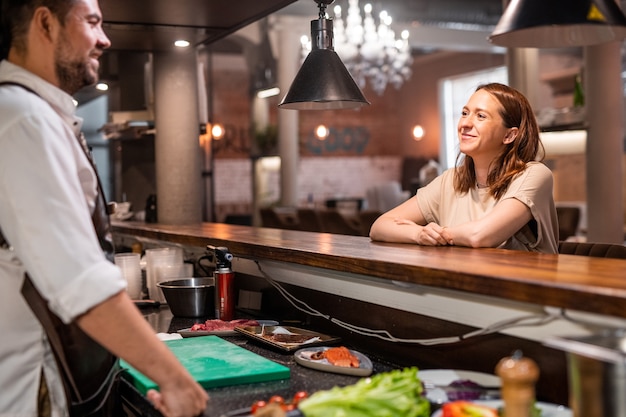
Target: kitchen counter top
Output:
[
  {"x": 581, "y": 283},
  {"x": 438, "y": 307},
  {"x": 227, "y": 399}
]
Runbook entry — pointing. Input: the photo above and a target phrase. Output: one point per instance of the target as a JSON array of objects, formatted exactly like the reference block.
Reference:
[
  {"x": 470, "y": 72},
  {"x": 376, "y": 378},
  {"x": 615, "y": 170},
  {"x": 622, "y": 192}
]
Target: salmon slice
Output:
[{"x": 341, "y": 356}]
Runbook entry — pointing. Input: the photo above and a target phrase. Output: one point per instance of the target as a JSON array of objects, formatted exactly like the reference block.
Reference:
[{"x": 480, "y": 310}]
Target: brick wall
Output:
[
  {"x": 320, "y": 177},
  {"x": 343, "y": 167},
  {"x": 362, "y": 151}
]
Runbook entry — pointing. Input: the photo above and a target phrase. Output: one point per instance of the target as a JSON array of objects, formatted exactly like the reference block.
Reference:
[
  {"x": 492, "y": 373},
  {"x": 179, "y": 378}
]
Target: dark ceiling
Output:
[
  {"x": 153, "y": 25},
  {"x": 429, "y": 12}
]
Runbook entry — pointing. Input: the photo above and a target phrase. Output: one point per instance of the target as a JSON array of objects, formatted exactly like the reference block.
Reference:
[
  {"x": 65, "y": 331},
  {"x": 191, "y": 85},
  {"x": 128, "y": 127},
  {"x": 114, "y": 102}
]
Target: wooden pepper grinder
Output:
[{"x": 519, "y": 375}]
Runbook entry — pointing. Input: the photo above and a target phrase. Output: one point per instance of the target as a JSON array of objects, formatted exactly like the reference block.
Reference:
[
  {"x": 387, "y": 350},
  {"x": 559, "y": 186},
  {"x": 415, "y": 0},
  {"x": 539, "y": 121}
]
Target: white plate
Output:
[
  {"x": 303, "y": 357},
  {"x": 547, "y": 409},
  {"x": 195, "y": 333},
  {"x": 447, "y": 376},
  {"x": 123, "y": 216},
  {"x": 444, "y": 377}
]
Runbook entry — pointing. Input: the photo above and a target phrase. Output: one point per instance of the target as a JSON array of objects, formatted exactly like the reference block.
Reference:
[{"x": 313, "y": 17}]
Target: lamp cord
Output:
[{"x": 526, "y": 320}]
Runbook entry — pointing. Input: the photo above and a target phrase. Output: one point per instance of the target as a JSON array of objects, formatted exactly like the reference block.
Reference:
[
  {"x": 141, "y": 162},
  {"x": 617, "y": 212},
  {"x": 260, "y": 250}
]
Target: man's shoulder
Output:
[
  {"x": 17, "y": 83},
  {"x": 16, "y": 100},
  {"x": 18, "y": 90}
]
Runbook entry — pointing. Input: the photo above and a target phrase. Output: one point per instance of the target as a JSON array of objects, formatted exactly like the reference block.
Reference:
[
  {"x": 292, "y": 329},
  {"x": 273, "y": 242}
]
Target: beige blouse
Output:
[{"x": 440, "y": 203}]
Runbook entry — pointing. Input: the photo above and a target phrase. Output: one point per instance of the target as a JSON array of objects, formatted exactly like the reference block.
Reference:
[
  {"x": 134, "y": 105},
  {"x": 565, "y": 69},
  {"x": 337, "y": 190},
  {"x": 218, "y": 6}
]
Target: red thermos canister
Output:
[
  {"x": 224, "y": 283},
  {"x": 225, "y": 294}
]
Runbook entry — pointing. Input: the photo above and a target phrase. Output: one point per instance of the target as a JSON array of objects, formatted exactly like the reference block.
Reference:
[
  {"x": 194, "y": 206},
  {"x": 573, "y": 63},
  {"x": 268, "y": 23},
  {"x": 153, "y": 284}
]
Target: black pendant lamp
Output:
[
  {"x": 323, "y": 82},
  {"x": 559, "y": 23}
]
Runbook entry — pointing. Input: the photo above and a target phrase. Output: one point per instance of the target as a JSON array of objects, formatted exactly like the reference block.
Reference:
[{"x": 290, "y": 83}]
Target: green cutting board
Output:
[{"x": 214, "y": 362}]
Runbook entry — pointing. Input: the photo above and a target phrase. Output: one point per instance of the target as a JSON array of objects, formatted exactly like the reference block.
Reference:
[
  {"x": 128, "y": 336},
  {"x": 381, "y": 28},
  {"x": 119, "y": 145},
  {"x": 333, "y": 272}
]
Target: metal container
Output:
[
  {"x": 190, "y": 297},
  {"x": 597, "y": 373}
]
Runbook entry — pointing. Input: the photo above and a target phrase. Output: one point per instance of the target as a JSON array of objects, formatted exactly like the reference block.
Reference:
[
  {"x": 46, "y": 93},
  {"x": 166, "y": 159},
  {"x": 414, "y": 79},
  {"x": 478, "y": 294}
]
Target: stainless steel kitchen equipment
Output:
[
  {"x": 190, "y": 297},
  {"x": 597, "y": 372}
]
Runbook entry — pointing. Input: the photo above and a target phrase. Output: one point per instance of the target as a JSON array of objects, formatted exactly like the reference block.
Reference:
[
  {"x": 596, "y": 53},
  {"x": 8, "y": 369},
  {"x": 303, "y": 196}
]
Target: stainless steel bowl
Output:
[{"x": 190, "y": 297}]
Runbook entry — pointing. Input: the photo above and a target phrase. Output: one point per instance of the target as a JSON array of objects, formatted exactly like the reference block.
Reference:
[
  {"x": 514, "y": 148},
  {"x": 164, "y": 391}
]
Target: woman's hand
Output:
[
  {"x": 431, "y": 235},
  {"x": 400, "y": 224}
]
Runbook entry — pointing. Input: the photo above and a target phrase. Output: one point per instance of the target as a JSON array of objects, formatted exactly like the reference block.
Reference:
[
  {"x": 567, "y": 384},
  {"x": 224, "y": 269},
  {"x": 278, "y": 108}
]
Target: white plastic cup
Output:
[
  {"x": 156, "y": 258},
  {"x": 131, "y": 271},
  {"x": 170, "y": 272}
]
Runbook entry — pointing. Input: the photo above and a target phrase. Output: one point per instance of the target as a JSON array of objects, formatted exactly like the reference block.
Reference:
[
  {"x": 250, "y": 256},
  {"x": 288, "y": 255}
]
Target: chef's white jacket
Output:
[{"x": 47, "y": 194}]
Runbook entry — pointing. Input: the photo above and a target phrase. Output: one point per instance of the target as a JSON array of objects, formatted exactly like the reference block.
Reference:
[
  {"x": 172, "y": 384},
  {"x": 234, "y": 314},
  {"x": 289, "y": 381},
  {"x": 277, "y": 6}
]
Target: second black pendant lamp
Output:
[
  {"x": 559, "y": 23},
  {"x": 323, "y": 82}
]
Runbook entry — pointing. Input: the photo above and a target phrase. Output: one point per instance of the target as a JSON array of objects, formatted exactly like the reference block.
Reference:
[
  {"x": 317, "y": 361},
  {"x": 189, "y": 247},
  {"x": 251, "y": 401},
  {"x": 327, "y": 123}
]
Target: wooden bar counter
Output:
[
  {"x": 583, "y": 283},
  {"x": 441, "y": 307}
]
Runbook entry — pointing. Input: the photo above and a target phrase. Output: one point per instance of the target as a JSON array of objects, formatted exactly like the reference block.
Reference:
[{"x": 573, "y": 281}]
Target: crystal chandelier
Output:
[{"x": 371, "y": 53}]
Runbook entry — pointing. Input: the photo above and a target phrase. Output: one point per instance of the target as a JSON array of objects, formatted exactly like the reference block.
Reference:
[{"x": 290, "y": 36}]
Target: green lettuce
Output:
[{"x": 389, "y": 394}]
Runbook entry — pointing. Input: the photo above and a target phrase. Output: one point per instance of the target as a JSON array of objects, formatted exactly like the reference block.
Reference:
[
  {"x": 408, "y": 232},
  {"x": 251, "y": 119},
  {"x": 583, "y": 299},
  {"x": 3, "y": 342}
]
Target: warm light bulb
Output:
[
  {"x": 385, "y": 18},
  {"x": 181, "y": 43},
  {"x": 321, "y": 132},
  {"x": 102, "y": 86},
  {"x": 268, "y": 92},
  {"x": 418, "y": 132},
  {"x": 217, "y": 131}
]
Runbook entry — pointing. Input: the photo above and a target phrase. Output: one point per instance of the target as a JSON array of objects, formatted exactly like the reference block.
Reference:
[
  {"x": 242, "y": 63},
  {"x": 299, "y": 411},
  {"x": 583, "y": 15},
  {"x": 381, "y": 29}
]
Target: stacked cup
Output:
[
  {"x": 158, "y": 261},
  {"x": 131, "y": 271},
  {"x": 171, "y": 272}
]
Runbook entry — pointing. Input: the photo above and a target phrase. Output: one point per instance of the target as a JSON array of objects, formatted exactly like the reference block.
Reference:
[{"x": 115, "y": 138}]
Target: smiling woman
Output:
[
  {"x": 453, "y": 93},
  {"x": 497, "y": 196}
]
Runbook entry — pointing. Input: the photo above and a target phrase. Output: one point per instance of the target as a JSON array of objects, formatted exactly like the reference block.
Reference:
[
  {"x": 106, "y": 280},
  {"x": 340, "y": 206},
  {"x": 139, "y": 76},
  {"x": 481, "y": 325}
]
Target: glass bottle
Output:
[{"x": 579, "y": 94}]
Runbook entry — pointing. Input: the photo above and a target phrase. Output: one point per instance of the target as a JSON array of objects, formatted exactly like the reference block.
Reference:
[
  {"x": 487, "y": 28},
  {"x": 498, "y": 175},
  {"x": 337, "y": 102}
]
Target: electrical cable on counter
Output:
[{"x": 528, "y": 320}]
